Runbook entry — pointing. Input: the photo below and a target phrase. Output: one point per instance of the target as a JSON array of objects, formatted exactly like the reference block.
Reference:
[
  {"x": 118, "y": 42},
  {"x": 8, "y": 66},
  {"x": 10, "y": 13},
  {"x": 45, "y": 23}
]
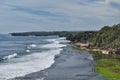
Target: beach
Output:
[{"x": 69, "y": 65}]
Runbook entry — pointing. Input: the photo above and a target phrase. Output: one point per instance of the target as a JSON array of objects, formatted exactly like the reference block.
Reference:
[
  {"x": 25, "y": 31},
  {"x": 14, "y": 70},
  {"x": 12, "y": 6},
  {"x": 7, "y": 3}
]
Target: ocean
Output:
[{"x": 22, "y": 55}]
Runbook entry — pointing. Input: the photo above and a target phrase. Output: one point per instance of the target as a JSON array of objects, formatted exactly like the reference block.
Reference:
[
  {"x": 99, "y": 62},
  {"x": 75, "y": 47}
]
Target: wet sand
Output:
[
  {"x": 69, "y": 65},
  {"x": 73, "y": 65}
]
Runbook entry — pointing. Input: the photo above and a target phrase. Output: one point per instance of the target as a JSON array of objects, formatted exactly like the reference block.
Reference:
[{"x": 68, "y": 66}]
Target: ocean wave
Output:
[
  {"x": 27, "y": 50},
  {"x": 53, "y": 46},
  {"x": 33, "y": 45},
  {"x": 33, "y": 62},
  {"x": 55, "y": 43},
  {"x": 28, "y": 64},
  {"x": 10, "y": 56}
]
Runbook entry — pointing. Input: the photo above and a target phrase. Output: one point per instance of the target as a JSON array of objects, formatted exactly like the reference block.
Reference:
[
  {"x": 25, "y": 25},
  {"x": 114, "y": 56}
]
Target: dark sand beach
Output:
[{"x": 69, "y": 65}]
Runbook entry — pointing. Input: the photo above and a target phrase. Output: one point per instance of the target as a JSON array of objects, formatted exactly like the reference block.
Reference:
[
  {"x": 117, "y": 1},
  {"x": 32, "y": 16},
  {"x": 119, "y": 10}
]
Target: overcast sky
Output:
[{"x": 57, "y": 15}]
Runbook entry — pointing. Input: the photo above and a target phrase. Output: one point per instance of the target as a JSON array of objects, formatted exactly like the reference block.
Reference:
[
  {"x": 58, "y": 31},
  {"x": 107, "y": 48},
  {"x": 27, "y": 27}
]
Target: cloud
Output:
[{"x": 45, "y": 15}]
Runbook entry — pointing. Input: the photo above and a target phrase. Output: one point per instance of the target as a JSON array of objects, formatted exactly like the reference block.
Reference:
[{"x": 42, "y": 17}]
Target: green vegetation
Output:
[
  {"x": 108, "y": 65},
  {"x": 69, "y": 36},
  {"x": 52, "y": 33},
  {"x": 62, "y": 33},
  {"x": 107, "y": 37},
  {"x": 81, "y": 36}
]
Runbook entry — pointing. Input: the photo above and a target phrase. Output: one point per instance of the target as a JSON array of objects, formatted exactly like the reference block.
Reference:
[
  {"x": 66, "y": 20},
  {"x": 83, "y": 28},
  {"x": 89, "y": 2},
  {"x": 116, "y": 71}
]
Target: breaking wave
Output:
[
  {"x": 30, "y": 63},
  {"x": 10, "y": 56}
]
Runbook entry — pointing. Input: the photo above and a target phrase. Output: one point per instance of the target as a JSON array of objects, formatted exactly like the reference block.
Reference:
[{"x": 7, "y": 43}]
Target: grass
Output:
[
  {"x": 110, "y": 68},
  {"x": 107, "y": 65}
]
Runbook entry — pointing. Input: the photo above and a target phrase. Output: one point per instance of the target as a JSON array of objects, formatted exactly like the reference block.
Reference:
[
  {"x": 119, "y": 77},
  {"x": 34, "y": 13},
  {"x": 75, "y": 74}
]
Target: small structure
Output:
[
  {"x": 82, "y": 44},
  {"x": 105, "y": 51}
]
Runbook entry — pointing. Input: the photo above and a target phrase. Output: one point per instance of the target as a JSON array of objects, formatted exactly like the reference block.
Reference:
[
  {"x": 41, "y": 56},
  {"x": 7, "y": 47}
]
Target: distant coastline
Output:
[{"x": 43, "y": 33}]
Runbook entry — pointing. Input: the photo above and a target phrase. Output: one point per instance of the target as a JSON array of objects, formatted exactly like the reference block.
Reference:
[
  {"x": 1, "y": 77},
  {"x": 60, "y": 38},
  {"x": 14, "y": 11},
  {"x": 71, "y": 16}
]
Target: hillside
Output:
[
  {"x": 84, "y": 36},
  {"x": 107, "y": 37}
]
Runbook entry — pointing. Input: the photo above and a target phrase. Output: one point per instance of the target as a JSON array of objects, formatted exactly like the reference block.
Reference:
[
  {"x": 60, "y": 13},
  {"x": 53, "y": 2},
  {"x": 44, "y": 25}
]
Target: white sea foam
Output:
[
  {"x": 50, "y": 40},
  {"x": 30, "y": 63},
  {"x": 56, "y": 43},
  {"x": 27, "y": 50},
  {"x": 10, "y": 56},
  {"x": 33, "y": 45},
  {"x": 53, "y": 45},
  {"x": 63, "y": 40},
  {"x": 57, "y": 40}
]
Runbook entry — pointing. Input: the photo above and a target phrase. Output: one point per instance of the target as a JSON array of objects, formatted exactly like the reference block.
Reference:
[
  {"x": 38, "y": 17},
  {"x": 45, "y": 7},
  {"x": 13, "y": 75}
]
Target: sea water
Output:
[{"x": 22, "y": 55}]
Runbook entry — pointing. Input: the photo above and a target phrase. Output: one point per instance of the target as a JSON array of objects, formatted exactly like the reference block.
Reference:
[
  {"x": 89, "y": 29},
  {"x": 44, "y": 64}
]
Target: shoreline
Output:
[
  {"x": 73, "y": 65},
  {"x": 90, "y": 47},
  {"x": 69, "y": 65},
  {"x": 107, "y": 65}
]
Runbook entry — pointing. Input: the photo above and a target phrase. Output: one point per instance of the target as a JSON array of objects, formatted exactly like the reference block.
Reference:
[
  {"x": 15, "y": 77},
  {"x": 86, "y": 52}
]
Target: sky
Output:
[{"x": 57, "y": 15}]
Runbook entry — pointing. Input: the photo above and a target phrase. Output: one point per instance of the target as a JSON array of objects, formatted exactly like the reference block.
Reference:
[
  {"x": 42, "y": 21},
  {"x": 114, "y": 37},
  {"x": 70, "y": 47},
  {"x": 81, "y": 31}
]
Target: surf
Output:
[{"x": 33, "y": 62}]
